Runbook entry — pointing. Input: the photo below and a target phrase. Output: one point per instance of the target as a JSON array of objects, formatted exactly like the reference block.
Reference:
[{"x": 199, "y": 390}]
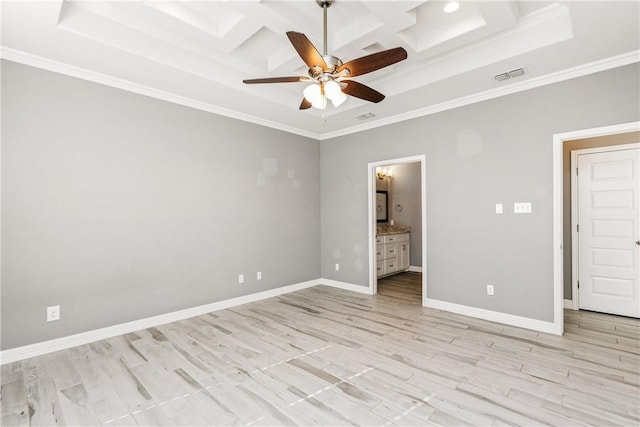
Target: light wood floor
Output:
[{"x": 331, "y": 357}]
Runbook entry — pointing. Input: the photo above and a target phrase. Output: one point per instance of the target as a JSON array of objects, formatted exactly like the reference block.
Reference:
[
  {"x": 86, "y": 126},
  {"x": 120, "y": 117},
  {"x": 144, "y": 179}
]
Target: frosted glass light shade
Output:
[
  {"x": 337, "y": 101},
  {"x": 313, "y": 94},
  {"x": 332, "y": 90},
  {"x": 320, "y": 103}
]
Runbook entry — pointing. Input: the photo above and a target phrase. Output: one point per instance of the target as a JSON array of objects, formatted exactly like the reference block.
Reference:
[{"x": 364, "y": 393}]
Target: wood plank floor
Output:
[{"x": 324, "y": 356}]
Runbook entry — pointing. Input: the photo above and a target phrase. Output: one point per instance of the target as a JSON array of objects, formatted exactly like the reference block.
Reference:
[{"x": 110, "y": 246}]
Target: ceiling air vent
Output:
[
  {"x": 509, "y": 74},
  {"x": 365, "y": 116}
]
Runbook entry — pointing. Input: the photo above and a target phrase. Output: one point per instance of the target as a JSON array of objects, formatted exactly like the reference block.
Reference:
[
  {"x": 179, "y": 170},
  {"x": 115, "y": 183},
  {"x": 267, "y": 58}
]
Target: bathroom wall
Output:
[{"x": 405, "y": 206}]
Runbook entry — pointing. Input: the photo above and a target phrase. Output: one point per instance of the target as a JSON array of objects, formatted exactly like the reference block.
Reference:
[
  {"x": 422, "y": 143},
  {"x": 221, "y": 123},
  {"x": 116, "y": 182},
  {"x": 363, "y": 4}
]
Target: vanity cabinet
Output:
[{"x": 392, "y": 254}]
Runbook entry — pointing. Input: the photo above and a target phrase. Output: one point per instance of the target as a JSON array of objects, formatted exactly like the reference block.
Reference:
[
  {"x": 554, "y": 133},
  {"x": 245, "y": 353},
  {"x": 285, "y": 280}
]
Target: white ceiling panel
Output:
[{"x": 197, "y": 53}]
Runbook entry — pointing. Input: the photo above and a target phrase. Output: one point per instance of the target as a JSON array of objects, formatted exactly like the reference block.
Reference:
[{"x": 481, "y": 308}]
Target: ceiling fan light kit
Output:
[{"x": 328, "y": 75}]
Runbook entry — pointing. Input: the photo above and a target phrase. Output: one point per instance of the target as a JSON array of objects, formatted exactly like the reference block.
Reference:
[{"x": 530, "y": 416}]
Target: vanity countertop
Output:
[{"x": 385, "y": 230}]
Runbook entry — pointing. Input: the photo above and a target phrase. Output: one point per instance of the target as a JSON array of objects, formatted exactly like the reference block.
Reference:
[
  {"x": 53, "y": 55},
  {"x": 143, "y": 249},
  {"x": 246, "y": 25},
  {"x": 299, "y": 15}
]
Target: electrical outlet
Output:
[
  {"x": 489, "y": 289},
  {"x": 53, "y": 313},
  {"x": 259, "y": 275},
  {"x": 499, "y": 208},
  {"x": 337, "y": 267},
  {"x": 240, "y": 278}
]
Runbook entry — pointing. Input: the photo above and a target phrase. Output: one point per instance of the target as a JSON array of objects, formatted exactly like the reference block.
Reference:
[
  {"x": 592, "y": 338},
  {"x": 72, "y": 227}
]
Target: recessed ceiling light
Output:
[{"x": 451, "y": 7}]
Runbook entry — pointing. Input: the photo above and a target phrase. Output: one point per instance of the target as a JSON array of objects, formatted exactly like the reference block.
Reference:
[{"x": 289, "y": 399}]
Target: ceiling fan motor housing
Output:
[
  {"x": 324, "y": 3},
  {"x": 332, "y": 65},
  {"x": 328, "y": 72}
]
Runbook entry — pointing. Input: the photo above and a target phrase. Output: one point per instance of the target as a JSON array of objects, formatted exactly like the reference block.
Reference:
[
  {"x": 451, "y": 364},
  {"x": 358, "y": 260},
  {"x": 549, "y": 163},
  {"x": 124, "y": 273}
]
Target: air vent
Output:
[
  {"x": 365, "y": 116},
  {"x": 509, "y": 74},
  {"x": 517, "y": 72}
]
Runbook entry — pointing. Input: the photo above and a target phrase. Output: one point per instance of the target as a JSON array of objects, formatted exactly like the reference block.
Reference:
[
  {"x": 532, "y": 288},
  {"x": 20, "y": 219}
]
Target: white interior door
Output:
[{"x": 609, "y": 232}]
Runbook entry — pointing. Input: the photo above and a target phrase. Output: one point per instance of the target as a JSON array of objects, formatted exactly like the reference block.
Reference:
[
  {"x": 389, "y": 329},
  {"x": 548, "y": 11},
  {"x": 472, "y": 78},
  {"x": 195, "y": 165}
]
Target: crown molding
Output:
[
  {"x": 85, "y": 74},
  {"x": 559, "y": 76},
  {"x": 93, "y": 76}
]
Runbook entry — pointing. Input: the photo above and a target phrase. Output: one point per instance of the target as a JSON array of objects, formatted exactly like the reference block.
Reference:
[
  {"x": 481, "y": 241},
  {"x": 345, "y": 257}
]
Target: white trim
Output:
[
  {"x": 372, "y": 225},
  {"x": 86, "y": 74},
  {"x": 415, "y": 269},
  {"x": 93, "y": 76},
  {"x": 559, "y": 76},
  {"x": 574, "y": 234},
  {"x": 37, "y": 349},
  {"x": 371, "y": 186},
  {"x": 558, "y": 238},
  {"x": 568, "y": 304},
  {"x": 558, "y": 141},
  {"x": 346, "y": 286},
  {"x": 423, "y": 208},
  {"x": 575, "y": 238},
  {"x": 495, "y": 316}
]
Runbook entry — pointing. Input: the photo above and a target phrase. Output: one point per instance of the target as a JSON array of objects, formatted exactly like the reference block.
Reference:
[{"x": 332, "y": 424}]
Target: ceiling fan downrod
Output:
[
  {"x": 330, "y": 78},
  {"x": 324, "y": 4}
]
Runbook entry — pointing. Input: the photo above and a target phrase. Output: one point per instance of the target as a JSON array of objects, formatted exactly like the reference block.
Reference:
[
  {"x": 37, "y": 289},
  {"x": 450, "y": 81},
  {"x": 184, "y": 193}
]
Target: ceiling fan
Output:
[{"x": 329, "y": 77}]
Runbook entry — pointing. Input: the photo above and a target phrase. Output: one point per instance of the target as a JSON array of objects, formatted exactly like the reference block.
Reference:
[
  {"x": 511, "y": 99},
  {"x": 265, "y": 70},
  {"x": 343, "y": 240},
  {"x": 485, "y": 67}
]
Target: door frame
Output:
[
  {"x": 575, "y": 248},
  {"x": 558, "y": 187},
  {"x": 371, "y": 171}
]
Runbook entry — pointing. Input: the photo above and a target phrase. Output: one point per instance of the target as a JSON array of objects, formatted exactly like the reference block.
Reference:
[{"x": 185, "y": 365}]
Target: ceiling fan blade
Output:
[
  {"x": 373, "y": 62},
  {"x": 304, "y": 105},
  {"x": 275, "y": 80},
  {"x": 361, "y": 91},
  {"x": 306, "y": 50}
]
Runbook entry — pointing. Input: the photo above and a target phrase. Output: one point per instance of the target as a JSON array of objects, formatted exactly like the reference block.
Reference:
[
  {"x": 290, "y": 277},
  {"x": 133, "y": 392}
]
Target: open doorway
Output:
[
  {"x": 565, "y": 277},
  {"x": 397, "y": 228}
]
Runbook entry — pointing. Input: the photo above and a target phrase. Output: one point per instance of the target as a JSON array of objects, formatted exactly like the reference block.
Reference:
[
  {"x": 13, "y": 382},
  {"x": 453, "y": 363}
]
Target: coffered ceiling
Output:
[{"x": 197, "y": 53}]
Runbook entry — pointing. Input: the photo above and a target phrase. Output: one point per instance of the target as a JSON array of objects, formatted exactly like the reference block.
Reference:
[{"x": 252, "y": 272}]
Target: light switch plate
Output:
[
  {"x": 524, "y": 207},
  {"x": 498, "y": 208}
]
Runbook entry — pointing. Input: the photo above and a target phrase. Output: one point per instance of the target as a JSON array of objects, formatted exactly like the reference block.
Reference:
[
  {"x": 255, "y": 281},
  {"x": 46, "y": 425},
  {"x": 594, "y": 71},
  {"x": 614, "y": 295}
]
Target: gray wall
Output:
[
  {"x": 568, "y": 146},
  {"x": 498, "y": 151},
  {"x": 405, "y": 190},
  {"x": 118, "y": 207}
]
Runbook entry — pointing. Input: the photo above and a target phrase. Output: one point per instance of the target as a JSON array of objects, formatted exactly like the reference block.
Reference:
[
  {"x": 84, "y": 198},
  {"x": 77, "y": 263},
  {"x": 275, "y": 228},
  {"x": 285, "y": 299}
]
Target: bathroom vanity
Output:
[{"x": 392, "y": 250}]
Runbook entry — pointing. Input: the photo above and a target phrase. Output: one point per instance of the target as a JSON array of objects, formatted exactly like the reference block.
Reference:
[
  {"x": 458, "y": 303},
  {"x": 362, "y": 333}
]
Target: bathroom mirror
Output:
[{"x": 382, "y": 205}]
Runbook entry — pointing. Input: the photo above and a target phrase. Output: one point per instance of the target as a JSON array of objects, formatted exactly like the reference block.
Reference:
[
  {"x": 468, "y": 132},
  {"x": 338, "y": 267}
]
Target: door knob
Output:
[{"x": 638, "y": 243}]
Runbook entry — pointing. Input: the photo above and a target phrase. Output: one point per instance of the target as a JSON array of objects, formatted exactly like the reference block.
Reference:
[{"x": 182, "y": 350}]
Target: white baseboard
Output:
[
  {"x": 346, "y": 286},
  {"x": 37, "y": 349},
  {"x": 496, "y": 316},
  {"x": 415, "y": 269},
  {"x": 568, "y": 303}
]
